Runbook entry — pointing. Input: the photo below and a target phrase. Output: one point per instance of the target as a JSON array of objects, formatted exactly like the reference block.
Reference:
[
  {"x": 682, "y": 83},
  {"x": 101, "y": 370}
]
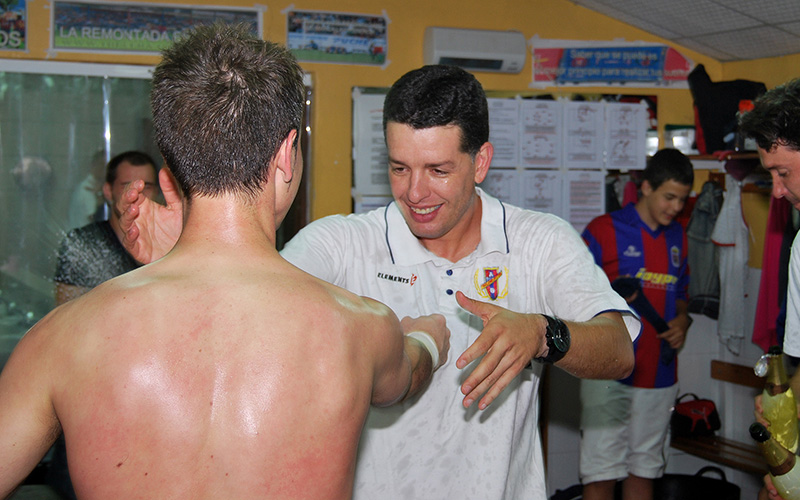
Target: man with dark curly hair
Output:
[{"x": 774, "y": 123}]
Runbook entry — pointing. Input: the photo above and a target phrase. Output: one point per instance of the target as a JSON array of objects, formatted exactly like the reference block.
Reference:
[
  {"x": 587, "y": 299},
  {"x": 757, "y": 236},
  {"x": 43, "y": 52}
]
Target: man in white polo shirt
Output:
[
  {"x": 534, "y": 293},
  {"x": 773, "y": 123}
]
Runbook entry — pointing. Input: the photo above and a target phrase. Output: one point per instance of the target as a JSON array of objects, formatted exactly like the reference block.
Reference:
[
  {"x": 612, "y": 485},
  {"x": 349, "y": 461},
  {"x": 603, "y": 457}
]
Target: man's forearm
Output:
[
  {"x": 601, "y": 348},
  {"x": 421, "y": 367}
]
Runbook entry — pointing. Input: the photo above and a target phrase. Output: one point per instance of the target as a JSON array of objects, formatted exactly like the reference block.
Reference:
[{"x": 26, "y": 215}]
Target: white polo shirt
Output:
[
  {"x": 791, "y": 340},
  {"x": 432, "y": 447}
]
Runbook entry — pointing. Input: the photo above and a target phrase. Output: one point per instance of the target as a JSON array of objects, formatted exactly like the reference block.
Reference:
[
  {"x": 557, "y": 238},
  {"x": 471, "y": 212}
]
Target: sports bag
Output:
[{"x": 697, "y": 417}]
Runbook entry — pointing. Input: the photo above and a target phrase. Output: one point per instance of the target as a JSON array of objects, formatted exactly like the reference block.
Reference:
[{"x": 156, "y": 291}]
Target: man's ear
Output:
[
  {"x": 107, "y": 192},
  {"x": 284, "y": 159},
  {"x": 646, "y": 188},
  {"x": 482, "y": 161}
]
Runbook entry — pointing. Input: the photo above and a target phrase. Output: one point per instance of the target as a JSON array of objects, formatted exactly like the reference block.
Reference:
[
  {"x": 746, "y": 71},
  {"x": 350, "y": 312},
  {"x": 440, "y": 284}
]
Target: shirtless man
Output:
[{"x": 246, "y": 378}]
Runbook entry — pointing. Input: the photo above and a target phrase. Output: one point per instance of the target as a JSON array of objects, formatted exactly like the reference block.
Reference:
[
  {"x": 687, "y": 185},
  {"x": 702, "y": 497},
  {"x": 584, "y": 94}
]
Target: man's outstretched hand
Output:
[
  {"x": 508, "y": 342},
  {"x": 149, "y": 229}
]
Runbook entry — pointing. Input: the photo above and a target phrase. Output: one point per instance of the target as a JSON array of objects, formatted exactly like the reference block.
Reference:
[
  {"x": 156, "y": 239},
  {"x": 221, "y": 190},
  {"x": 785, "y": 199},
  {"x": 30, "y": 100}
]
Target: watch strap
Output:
[{"x": 554, "y": 327}]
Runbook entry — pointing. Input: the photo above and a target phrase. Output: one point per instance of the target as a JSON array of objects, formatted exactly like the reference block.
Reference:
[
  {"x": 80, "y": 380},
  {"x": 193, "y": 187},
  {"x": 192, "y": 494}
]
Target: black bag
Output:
[
  {"x": 697, "y": 487},
  {"x": 698, "y": 417},
  {"x": 716, "y": 104},
  {"x": 673, "y": 487}
]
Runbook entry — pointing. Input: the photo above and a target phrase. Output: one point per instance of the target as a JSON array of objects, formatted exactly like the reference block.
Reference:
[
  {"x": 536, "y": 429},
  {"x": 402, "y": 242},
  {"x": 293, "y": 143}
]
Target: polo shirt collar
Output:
[{"x": 406, "y": 250}]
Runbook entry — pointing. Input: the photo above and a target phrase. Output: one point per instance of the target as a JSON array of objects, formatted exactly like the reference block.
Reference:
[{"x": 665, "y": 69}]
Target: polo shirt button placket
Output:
[{"x": 449, "y": 290}]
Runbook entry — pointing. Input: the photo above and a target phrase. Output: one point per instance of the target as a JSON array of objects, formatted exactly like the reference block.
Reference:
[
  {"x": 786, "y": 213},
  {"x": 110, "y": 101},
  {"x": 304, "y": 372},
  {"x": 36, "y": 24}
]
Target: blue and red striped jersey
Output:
[{"x": 624, "y": 246}]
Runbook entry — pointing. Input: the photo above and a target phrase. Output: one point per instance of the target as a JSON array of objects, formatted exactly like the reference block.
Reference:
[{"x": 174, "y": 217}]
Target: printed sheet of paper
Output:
[
  {"x": 370, "y": 158},
  {"x": 541, "y": 191},
  {"x": 626, "y": 135},
  {"x": 365, "y": 204},
  {"x": 503, "y": 184},
  {"x": 584, "y": 192},
  {"x": 541, "y": 133},
  {"x": 584, "y": 136},
  {"x": 504, "y": 131}
]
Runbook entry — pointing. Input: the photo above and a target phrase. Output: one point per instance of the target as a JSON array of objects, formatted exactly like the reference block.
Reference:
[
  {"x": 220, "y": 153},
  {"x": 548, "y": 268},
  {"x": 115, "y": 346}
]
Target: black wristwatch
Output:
[{"x": 557, "y": 335}]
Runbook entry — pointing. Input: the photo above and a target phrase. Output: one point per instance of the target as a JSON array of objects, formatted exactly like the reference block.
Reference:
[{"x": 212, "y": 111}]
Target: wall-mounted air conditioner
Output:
[{"x": 476, "y": 50}]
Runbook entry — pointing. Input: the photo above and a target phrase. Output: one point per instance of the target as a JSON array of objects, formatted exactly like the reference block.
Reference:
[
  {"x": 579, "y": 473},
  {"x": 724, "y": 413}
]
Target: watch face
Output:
[{"x": 561, "y": 341}]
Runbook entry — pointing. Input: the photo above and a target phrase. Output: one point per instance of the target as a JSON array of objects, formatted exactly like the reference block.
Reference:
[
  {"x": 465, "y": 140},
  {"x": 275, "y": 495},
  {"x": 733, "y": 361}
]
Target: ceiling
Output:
[{"x": 725, "y": 30}]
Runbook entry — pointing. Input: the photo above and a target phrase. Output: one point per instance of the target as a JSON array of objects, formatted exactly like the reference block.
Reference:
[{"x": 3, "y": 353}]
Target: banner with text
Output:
[
  {"x": 134, "y": 28},
  {"x": 566, "y": 62}
]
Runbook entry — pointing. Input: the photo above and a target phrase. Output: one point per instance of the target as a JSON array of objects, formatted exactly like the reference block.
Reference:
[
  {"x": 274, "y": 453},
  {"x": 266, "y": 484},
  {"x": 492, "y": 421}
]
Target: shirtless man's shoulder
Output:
[{"x": 274, "y": 360}]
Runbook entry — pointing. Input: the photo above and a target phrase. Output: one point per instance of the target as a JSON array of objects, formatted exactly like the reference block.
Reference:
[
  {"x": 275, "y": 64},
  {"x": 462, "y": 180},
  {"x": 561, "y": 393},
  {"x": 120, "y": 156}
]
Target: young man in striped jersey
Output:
[{"x": 624, "y": 422}]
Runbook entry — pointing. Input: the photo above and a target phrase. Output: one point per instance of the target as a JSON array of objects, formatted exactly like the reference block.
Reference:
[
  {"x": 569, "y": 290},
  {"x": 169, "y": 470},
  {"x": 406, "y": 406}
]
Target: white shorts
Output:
[{"x": 624, "y": 430}]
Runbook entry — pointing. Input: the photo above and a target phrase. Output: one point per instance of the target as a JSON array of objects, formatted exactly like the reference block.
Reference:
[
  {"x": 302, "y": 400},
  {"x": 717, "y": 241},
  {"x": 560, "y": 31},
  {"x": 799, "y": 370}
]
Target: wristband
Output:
[{"x": 428, "y": 343}]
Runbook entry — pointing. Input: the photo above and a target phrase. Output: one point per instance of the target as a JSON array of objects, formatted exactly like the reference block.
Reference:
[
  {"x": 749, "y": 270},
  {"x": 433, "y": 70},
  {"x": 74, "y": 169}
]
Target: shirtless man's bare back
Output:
[{"x": 244, "y": 377}]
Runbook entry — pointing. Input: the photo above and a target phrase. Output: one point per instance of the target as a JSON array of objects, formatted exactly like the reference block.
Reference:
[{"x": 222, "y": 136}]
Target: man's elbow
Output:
[{"x": 626, "y": 362}]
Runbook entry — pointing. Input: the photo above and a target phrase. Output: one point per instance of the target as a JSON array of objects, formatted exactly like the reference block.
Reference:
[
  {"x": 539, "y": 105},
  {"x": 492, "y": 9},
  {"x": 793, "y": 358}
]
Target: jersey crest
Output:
[{"x": 492, "y": 282}]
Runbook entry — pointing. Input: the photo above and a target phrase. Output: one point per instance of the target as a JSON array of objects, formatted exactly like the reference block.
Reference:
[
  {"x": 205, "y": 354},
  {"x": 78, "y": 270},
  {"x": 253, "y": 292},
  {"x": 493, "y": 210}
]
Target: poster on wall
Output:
[
  {"x": 13, "y": 14},
  {"x": 592, "y": 63},
  {"x": 134, "y": 28},
  {"x": 336, "y": 37}
]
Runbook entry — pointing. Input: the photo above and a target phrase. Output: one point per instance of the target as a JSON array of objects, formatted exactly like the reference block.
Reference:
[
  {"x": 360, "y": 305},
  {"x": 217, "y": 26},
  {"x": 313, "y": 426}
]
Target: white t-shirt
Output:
[
  {"x": 432, "y": 447},
  {"x": 791, "y": 339}
]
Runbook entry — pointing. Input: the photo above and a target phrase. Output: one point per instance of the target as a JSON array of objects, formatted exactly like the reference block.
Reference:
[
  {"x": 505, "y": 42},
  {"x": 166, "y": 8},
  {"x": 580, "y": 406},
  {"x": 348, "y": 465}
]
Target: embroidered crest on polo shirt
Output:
[
  {"x": 399, "y": 279},
  {"x": 492, "y": 282}
]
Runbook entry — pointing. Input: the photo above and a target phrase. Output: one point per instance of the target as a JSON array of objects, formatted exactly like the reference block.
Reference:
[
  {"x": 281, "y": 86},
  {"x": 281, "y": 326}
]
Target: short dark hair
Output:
[
  {"x": 775, "y": 118},
  {"x": 223, "y": 102},
  {"x": 439, "y": 95},
  {"x": 137, "y": 158},
  {"x": 668, "y": 165}
]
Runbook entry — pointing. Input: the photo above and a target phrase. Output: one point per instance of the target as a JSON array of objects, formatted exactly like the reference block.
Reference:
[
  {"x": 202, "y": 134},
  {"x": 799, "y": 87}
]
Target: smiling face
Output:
[
  {"x": 433, "y": 182},
  {"x": 126, "y": 173},
  {"x": 784, "y": 165},
  {"x": 658, "y": 207}
]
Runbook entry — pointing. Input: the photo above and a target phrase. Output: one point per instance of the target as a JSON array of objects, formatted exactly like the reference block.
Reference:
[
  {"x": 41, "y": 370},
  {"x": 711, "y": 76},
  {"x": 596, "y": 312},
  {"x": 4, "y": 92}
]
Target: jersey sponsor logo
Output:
[
  {"x": 675, "y": 256},
  {"x": 492, "y": 282},
  {"x": 656, "y": 280},
  {"x": 399, "y": 279},
  {"x": 631, "y": 251}
]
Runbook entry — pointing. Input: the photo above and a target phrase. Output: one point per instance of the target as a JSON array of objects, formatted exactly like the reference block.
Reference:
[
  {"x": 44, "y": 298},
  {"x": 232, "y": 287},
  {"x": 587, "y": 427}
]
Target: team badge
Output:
[
  {"x": 675, "y": 256},
  {"x": 492, "y": 282}
]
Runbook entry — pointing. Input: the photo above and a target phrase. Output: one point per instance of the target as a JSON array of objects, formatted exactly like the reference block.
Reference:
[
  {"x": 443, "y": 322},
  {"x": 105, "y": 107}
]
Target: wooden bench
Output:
[{"x": 741, "y": 456}]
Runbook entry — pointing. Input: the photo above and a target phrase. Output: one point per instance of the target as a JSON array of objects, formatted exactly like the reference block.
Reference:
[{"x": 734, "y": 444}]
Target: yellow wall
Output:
[{"x": 332, "y": 120}]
